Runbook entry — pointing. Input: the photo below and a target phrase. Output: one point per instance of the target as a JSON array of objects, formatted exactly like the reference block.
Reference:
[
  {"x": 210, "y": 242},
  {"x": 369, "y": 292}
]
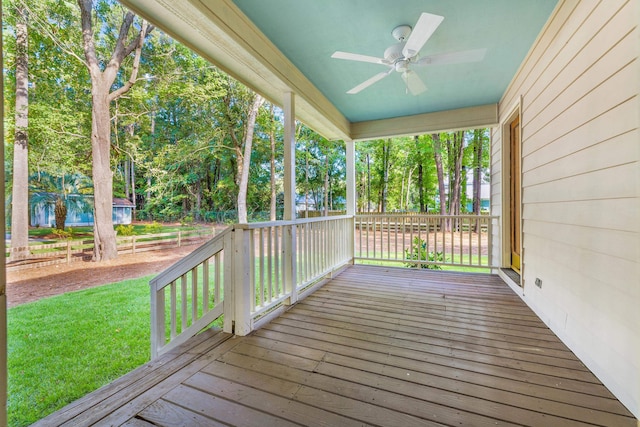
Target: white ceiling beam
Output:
[{"x": 441, "y": 121}]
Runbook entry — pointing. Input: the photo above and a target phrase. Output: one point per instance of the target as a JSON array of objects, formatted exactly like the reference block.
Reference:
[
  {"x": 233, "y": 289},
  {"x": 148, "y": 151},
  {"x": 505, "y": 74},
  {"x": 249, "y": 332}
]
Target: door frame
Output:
[{"x": 505, "y": 127}]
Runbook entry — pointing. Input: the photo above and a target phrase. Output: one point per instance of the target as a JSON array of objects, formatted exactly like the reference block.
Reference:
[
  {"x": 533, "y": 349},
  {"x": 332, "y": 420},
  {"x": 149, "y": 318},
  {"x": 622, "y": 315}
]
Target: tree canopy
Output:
[{"x": 176, "y": 137}]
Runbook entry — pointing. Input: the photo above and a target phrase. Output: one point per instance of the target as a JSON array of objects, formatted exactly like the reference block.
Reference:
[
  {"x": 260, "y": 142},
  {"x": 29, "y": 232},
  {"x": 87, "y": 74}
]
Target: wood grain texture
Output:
[{"x": 374, "y": 346}]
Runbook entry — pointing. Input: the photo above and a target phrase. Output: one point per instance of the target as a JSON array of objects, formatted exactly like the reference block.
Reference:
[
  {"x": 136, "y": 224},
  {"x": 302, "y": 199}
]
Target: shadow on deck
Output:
[{"x": 374, "y": 346}]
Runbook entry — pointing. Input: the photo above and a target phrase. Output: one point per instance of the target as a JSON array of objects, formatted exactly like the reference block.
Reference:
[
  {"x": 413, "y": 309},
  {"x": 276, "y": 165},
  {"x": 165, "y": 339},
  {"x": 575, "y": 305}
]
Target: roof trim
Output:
[
  {"x": 441, "y": 121},
  {"x": 222, "y": 34}
]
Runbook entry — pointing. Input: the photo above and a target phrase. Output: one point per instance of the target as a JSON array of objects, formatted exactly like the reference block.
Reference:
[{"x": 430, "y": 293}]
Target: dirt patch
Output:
[{"x": 31, "y": 285}]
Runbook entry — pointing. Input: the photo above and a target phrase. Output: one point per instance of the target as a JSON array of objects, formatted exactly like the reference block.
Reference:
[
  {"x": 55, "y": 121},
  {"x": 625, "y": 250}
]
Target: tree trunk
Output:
[
  {"x": 421, "y": 187},
  {"x": 406, "y": 203},
  {"x": 20, "y": 190},
  {"x": 272, "y": 141},
  {"x": 368, "y": 183},
  {"x": 103, "y": 75},
  {"x": 246, "y": 159},
  {"x": 455, "y": 145},
  {"x": 103, "y": 233},
  {"x": 437, "y": 156},
  {"x": 477, "y": 171},
  {"x": 386, "y": 148},
  {"x": 60, "y": 212}
]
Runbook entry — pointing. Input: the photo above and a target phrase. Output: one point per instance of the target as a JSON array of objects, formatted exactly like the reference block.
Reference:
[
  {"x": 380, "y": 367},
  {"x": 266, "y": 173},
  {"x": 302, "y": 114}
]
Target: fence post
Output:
[
  {"x": 68, "y": 251},
  {"x": 133, "y": 244},
  {"x": 179, "y": 237}
]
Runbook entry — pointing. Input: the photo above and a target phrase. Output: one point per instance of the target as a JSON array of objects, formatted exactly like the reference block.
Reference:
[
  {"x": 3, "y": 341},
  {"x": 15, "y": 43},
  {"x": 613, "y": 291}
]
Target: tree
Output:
[
  {"x": 437, "y": 156},
  {"x": 244, "y": 163},
  {"x": 103, "y": 76},
  {"x": 455, "y": 151},
  {"x": 20, "y": 190}
]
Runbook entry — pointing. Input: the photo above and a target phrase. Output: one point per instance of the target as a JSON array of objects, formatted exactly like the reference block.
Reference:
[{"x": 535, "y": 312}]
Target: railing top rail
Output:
[
  {"x": 400, "y": 214},
  {"x": 198, "y": 256},
  {"x": 256, "y": 225}
]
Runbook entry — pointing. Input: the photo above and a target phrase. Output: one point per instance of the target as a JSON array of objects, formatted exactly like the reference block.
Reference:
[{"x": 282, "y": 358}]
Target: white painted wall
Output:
[{"x": 580, "y": 113}]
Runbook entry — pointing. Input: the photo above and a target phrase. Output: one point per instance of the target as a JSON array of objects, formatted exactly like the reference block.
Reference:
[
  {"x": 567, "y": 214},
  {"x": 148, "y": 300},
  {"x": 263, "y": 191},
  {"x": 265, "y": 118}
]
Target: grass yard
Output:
[{"x": 63, "y": 347}]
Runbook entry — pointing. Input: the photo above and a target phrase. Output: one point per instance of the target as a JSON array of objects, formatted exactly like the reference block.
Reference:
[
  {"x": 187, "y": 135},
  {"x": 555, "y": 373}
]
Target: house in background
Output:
[{"x": 79, "y": 212}]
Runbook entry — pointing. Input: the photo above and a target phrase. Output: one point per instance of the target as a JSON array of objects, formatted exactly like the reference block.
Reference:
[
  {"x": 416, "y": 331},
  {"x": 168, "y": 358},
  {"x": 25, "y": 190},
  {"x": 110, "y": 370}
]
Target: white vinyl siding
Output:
[{"x": 581, "y": 184}]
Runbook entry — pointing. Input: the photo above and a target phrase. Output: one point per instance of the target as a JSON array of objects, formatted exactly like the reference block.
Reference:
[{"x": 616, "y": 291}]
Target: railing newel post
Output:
[
  {"x": 228, "y": 289},
  {"x": 242, "y": 281}
]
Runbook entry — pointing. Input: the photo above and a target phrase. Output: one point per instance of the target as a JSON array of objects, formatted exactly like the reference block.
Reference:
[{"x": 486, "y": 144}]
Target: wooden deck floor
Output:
[{"x": 375, "y": 346}]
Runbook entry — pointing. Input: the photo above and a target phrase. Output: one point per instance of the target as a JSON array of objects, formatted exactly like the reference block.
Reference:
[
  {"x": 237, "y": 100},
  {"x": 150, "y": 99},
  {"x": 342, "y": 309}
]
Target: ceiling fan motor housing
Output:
[
  {"x": 401, "y": 32},
  {"x": 394, "y": 53}
]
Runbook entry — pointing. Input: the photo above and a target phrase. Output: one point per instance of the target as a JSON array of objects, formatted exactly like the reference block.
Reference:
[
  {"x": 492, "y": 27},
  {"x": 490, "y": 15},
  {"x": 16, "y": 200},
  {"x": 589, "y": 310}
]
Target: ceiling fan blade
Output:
[
  {"x": 460, "y": 57},
  {"x": 414, "y": 83},
  {"x": 357, "y": 57},
  {"x": 426, "y": 25},
  {"x": 365, "y": 84}
]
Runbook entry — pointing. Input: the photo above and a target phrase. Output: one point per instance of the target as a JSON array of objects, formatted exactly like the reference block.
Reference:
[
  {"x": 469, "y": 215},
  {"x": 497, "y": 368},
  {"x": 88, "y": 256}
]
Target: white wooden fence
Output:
[
  {"x": 77, "y": 250},
  {"x": 249, "y": 273}
]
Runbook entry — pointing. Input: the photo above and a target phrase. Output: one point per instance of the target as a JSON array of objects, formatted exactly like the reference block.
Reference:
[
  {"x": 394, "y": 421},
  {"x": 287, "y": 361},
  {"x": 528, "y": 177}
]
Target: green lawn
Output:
[
  {"x": 86, "y": 233},
  {"x": 63, "y": 347}
]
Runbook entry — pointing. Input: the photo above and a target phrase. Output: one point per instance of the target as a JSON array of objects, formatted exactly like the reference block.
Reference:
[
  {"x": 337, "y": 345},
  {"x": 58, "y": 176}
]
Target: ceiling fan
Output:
[{"x": 404, "y": 55}]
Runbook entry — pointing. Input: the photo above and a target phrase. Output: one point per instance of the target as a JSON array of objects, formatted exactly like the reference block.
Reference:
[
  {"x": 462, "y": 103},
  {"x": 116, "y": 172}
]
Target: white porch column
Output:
[
  {"x": 3, "y": 278},
  {"x": 351, "y": 193},
  {"x": 289, "y": 238},
  {"x": 351, "y": 177},
  {"x": 288, "y": 107}
]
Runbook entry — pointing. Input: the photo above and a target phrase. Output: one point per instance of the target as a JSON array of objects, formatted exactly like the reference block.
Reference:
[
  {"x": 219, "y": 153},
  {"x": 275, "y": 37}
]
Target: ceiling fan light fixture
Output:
[{"x": 402, "y": 66}]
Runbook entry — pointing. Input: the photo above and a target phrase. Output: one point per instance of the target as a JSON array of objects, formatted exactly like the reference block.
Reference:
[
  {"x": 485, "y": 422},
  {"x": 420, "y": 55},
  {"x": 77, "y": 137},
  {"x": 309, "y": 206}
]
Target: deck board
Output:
[{"x": 374, "y": 346}]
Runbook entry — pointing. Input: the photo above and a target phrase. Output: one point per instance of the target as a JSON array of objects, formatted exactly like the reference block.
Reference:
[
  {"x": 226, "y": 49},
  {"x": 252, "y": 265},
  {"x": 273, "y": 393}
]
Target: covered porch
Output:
[
  {"x": 309, "y": 338},
  {"x": 374, "y": 346}
]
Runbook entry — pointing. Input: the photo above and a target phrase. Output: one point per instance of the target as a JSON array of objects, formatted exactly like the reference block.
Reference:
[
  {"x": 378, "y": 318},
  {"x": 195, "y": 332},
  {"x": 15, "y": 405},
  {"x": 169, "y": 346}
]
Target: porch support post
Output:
[
  {"x": 351, "y": 193},
  {"x": 3, "y": 278},
  {"x": 242, "y": 295},
  {"x": 351, "y": 177},
  {"x": 289, "y": 238}
]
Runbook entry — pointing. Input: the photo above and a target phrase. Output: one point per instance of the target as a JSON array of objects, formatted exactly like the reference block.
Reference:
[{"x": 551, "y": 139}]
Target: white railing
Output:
[
  {"x": 425, "y": 240},
  {"x": 189, "y": 295},
  {"x": 285, "y": 260},
  {"x": 249, "y": 273}
]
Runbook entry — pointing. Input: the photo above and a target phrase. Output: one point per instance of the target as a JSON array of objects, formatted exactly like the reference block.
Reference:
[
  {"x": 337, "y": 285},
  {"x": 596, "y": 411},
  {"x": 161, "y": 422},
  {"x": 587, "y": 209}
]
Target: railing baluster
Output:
[
  {"x": 270, "y": 263},
  {"x": 205, "y": 286},
  {"x": 218, "y": 279},
  {"x": 173, "y": 309},
  {"x": 279, "y": 265},
  {"x": 183, "y": 300},
  {"x": 194, "y": 295},
  {"x": 252, "y": 269},
  {"x": 261, "y": 254}
]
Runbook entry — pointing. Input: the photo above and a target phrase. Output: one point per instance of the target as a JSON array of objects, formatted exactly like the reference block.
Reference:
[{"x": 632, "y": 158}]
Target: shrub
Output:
[
  {"x": 62, "y": 234},
  {"x": 153, "y": 228},
  {"x": 125, "y": 230},
  {"x": 186, "y": 220},
  {"x": 418, "y": 252}
]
